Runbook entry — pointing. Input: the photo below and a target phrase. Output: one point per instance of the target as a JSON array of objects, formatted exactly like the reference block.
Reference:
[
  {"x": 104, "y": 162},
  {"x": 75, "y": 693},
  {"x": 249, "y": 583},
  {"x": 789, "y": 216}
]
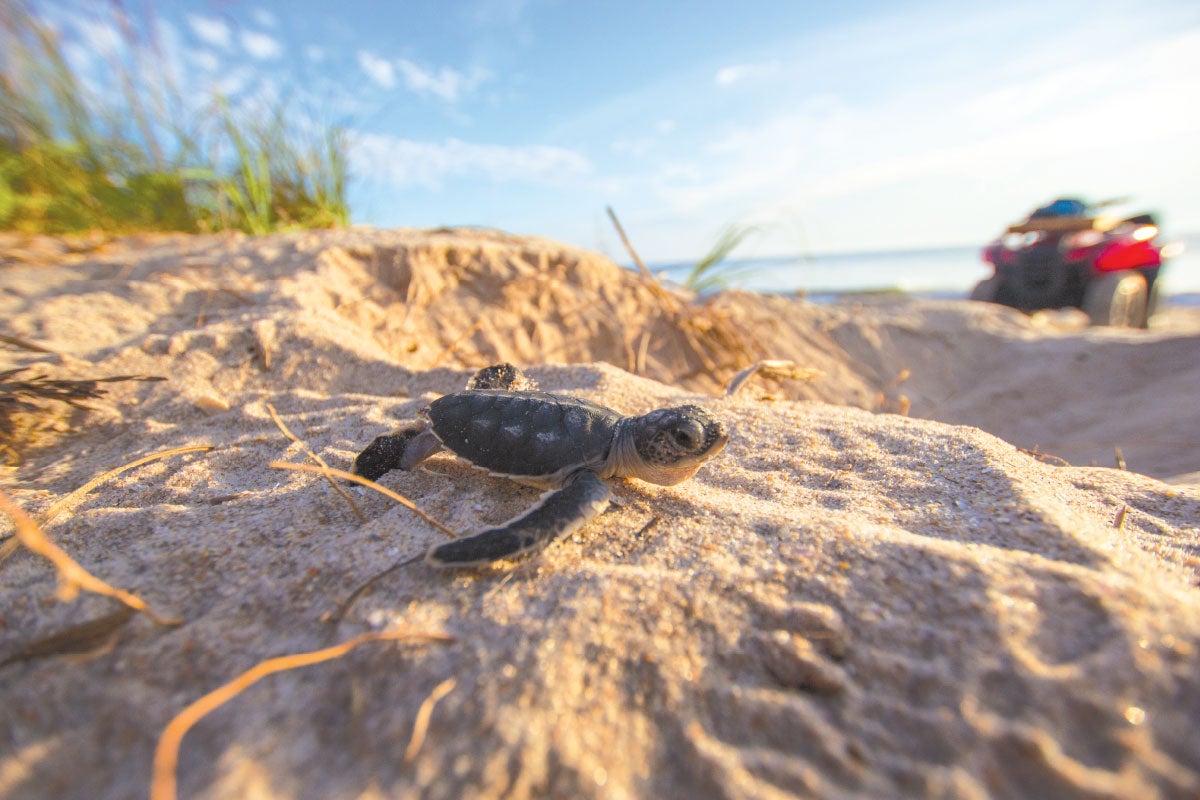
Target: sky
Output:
[{"x": 834, "y": 127}]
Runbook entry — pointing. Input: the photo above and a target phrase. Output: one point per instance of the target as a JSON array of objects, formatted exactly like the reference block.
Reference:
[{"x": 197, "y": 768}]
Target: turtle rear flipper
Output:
[
  {"x": 504, "y": 376},
  {"x": 560, "y": 513}
]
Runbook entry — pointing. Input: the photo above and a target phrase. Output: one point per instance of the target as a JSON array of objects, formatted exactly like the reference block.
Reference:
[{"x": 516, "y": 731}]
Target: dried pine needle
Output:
[
  {"x": 336, "y": 617},
  {"x": 453, "y": 346},
  {"x": 164, "y": 784},
  {"x": 349, "y": 476},
  {"x": 8, "y": 548},
  {"x": 308, "y": 452},
  {"x": 75, "y": 496},
  {"x": 421, "y": 725},
  {"x": 83, "y": 639},
  {"x": 71, "y": 577}
]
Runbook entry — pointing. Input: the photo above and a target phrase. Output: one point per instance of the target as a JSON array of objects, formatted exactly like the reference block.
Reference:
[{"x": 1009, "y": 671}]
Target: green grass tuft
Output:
[
  {"x": 711, "y": 272},
  {"x": 130, "y": 157}
]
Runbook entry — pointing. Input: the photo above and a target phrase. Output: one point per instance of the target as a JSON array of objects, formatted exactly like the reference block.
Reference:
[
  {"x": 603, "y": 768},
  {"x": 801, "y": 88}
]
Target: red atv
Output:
[{"x": 1068, "y": 254}]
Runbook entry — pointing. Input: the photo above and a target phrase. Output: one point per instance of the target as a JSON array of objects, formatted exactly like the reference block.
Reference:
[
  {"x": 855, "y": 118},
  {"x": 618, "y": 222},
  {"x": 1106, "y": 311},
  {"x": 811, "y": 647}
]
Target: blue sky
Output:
[{"x": 835, "y": 126}]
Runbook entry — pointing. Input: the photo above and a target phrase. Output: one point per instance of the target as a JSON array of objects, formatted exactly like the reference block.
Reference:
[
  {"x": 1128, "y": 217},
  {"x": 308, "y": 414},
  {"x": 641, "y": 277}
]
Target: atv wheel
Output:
[
  {"x": 985, "y": 291},
  {"x": 1151, "y": 304},
  {"x": 1117, "y": 299}
]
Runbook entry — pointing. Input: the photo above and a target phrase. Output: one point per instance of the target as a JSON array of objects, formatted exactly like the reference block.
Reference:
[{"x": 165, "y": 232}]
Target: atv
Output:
[{"x": 1069, "y": 254}]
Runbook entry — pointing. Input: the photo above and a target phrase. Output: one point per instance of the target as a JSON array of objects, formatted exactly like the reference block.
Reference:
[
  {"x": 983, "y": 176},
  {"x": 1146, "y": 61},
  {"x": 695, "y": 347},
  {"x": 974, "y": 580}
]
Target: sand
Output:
[{"x": 845, "y": 603}]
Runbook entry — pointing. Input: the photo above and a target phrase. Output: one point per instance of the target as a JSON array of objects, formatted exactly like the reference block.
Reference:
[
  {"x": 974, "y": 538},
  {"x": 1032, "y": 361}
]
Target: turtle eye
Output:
[{"x": 688, "y": 435}]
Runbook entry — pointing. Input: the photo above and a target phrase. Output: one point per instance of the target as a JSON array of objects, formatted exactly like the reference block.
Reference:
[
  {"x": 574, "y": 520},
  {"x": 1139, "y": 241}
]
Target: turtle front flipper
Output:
[
  {"x": 561, "y": 512},
  {"x": 403, "y": 449}
]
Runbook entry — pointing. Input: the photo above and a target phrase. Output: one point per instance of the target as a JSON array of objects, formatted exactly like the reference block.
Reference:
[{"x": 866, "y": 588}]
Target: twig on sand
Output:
[
  {"x": 349, "y": 476},
  {"x": 71, "y": 577},
  {"x": 308, "y": 452},
  {"x": 164, "y": 784}
]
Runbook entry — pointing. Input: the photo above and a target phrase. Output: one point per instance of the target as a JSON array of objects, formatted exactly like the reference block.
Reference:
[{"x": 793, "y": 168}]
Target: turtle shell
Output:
[{"x": 524, "y": 434}]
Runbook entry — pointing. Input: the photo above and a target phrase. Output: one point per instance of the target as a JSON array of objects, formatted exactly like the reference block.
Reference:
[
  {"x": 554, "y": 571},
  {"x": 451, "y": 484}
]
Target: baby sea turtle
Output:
[{"x": 502, "y": 424}]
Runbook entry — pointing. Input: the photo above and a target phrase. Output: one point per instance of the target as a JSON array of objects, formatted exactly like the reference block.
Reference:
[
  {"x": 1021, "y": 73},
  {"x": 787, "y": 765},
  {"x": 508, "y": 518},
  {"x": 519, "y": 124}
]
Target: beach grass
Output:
[
  {"x": 714, "y": 272},
  {"x": 122, "y": 153}
]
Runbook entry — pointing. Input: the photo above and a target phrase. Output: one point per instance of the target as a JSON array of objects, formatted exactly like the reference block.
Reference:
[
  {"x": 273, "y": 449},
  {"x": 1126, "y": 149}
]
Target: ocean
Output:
[{"x": 934, "y": 272}]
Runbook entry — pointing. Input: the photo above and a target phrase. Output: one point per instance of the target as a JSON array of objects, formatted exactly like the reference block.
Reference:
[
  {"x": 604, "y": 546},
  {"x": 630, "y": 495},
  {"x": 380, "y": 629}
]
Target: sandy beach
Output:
[{"x": 918, "y": 574}]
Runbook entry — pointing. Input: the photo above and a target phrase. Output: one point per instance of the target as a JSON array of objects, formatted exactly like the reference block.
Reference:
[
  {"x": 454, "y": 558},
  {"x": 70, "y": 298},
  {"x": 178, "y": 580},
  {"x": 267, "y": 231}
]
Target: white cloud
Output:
[
  {"x": 264, "y": 18},
  {"x": 736, "y": 73},
  {"x": 314, "y": 52},
  {"x": 206, "y": 60},
  {"x": 210, "y": 30},
  {"x": 821, "y": 157},
  {"x": 101, "y": 37},
  {"x": 633, "y": 147},
  {"x": 640, "y": 146},
  {"x": 407, "y": 163},
  {"x": 445, "y": 83},
  {"x": 262, "y": 46},
  {"x": 233, "y": 82},
  {"x": 378, "y": 69}
]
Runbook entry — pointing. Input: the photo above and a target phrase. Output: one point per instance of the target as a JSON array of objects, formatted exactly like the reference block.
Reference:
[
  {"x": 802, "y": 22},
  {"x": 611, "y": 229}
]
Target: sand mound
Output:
[
  {"x": 468, "y": 298},
  {"x": 843, "y": 604}
]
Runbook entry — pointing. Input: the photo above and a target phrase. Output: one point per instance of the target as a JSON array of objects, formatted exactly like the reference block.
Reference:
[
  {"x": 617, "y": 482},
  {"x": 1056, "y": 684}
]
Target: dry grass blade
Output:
[
  {"x": 308, "y": 452},
  {"x": 163, "y": 785},
  {"x": 74, "y": 497},
  {"x": 642, "y": 531},
  {"x": 421, "y": 725},
  {"x": 8, "y": 548},
  {"x": 639, "y": 367},
  {"x": 28, "y": 395},
  {"x": 705, "y": 330},
  {"x": 336, "y": 617},
  {"x": 25, "y": 344},
  {"x": 349, "y": 476},
  {"x": 777, "y": 369},
  {"x": 71, "y": 577},
  {"x": 647, "y": 274},
  {"x": 462, "y": 337},
  {"x": 86, "y": 637}
]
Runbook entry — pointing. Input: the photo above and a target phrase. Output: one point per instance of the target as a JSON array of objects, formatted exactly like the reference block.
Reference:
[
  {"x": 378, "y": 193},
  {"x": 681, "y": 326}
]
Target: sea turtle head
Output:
[{"x": 672, "y": 443}]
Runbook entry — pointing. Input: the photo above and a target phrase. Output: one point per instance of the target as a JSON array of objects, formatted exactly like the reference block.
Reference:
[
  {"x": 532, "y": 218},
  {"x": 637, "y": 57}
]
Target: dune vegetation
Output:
[{"x": 125, "y": 148}]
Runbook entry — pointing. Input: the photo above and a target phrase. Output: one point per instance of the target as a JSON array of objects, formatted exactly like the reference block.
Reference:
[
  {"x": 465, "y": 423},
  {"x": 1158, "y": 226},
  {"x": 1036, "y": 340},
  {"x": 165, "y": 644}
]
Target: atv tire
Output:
[
  {"x": 1151, "y": 304},
  {"x": 986, "y": 291},
  {"x": 1119, "y": 299}
]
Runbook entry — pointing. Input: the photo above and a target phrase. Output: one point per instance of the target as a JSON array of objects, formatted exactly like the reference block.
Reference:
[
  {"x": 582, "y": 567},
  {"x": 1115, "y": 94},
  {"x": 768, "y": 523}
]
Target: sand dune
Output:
[{"x": 844, "y": 603}]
